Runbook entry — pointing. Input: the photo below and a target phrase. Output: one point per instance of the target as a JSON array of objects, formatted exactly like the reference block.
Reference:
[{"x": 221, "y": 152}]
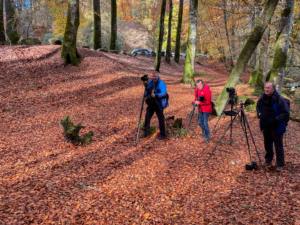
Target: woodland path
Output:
[{"x": 45, "y": 180}]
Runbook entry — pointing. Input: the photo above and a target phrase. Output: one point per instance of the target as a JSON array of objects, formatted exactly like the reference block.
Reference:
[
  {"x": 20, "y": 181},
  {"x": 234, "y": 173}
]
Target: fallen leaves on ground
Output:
[{"x": 110, "y": 180}]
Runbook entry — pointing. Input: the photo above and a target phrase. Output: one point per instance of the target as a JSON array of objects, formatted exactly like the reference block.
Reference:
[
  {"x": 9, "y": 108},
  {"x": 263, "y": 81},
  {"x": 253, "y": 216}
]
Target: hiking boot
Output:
[
  {"x": 203, "y": 135},
  {"x": 279, "y": 168},
  {"x": 206, "y": 140},
  {"x": 144, "y": 135},
  {"x": 162, "y": 137},
  {"x": 267, "y": 164}
]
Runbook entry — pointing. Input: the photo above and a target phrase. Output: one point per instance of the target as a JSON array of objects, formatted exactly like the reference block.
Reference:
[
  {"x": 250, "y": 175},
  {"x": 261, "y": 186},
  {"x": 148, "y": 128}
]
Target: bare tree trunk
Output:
[
  {"x": 11, "y": 22},
  {"x": 2, "y": 32},
  {"x": 233, "y": 33},
  {"x": 113, "y": 35},
  {"x": 246, "y": 53},
  {"x": 294, "y": 34},
  {"x": 227, "y": 34},
  {"x": 68, "y": 49},
  {"x": 168, "y": 50},
  {"x": 97, "y": 25},
  {"x": 178, "y": 36},
  {"x": 282, "y": 44},
  {"x": 188, "y": 76},
  {"x": 161, "y": 35}
]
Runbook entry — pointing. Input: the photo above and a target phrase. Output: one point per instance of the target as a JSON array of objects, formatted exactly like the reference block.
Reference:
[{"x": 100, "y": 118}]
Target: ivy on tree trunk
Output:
[
  {"x": 188, "y": 76},
  {"x": 178, "y": 34},
  {"x": 97, "y": 25},
  {"x": 168, "y": 50},
  {"x": 113, "y": 35},
  {"x": 11, "y": 22},
  {"x": 68, "y": 49},
  {"x": 246, "y": 53},
  {"x": 282, "y": 44},
  {"x": 161, "y": 35}
]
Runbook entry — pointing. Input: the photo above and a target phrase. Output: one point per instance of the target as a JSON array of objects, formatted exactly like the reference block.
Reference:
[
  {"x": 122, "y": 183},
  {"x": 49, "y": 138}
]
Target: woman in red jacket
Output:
[{"x": 203, "y": 99}]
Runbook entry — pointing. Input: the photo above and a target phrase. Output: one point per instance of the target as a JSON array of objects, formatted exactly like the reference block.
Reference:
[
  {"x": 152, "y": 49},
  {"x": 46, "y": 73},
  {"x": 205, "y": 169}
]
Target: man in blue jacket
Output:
[
  {"x": 273, "y": 112},
  {"x": 157, "y": 101}
]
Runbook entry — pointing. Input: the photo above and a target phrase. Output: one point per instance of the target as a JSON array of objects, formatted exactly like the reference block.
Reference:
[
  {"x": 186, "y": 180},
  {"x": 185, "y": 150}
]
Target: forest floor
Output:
[{"x": 44, "y": 180}]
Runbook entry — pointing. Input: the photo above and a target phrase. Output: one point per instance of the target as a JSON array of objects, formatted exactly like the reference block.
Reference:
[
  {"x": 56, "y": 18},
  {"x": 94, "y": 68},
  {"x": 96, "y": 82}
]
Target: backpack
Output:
[{"x": 276, "y": 106}]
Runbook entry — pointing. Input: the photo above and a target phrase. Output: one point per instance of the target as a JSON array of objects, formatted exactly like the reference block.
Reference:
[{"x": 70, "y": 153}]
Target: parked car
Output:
[
  {"x": 201, "y": 55},
  {"x": 140, "y": 50}
]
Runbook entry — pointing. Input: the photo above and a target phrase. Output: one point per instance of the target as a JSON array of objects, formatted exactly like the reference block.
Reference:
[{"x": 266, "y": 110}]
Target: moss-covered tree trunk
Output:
[
  {"x": 263, "y": 60},
  {"x": 2, "y": 32},
  {"x": 68, "y": 49},
  {"x": 161, "y": 35},
  {"x": 188, "y": 76},
  {"x": 168, "y": 50},
  {"x": 11, "y": 22},
  {"x": 97, "y": 25},
  {"x": 282, "y": 44},
  {"x": 113, "y": 34},
  {"x": 178, "y": 34},
  {"x": 226, "y": 30},
  {"x": 254, "y": 60},
  {"x": 293, "y": 39},
  {"x": 246, "y": 53}
]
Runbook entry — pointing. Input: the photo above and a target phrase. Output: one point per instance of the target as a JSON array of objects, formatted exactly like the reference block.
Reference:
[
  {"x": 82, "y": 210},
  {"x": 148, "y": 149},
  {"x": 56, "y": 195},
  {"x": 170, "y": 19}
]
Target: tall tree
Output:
[
  {"x": 226, "y": 30},
  {"x": 263, "y": 60},
  {"x": 113, "y": 35},
  {"x": 97, "y": 25},
  {"x": 293, "y": 38},
  {"x": 178, "y": 34},
  {"x": 68, "y": 49},
  {"x": 188, "y": 76},
  {"x": 11, "y": 22},
  {"x": 161, "y": 35},
  {"x": 282, "y": 44},
  {"x": 168, "y": 50},
  {"x": 246, "y": 53},
  {"x": 2, "y": 32}
]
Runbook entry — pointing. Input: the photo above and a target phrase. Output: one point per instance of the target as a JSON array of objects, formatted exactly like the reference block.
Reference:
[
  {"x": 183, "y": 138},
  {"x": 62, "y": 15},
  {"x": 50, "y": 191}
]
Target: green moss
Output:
[
  {"x": 252, "y": 77},
  {"x": 203, "y": 75},
  {"x": 11, "y": 22},
  {"x": 257, "y": 91},
  {"x": 71, "y": 131},
  {"x": 29, "y": 41}
]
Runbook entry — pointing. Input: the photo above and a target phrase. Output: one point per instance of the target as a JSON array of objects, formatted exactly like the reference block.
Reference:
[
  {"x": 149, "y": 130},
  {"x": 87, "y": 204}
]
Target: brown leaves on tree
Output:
[{"x": 45, "y": 180}]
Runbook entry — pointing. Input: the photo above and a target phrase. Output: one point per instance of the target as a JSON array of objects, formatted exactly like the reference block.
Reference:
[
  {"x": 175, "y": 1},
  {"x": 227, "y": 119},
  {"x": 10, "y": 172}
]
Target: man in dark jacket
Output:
[
  {"x": 203, "y": 100},
  {"x": 157, "y": 101},
  {"x": 273, "y": 112}
]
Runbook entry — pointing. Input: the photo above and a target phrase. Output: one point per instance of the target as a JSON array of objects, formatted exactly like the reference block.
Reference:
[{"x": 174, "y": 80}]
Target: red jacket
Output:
[{"x": 206, "y": 93}]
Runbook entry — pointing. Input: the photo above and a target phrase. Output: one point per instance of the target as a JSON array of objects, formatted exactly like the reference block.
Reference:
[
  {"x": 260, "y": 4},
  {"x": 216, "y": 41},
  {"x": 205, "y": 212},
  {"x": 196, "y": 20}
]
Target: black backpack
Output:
[{"x": 288, "y": 102}]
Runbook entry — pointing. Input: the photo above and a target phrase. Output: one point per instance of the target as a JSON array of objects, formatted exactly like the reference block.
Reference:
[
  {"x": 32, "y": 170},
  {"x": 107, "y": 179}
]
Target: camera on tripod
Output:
[
  {"x": 145, "y": 80},
  {"x": 231, "y": 91},
  {"x": 201, "y": 98}
]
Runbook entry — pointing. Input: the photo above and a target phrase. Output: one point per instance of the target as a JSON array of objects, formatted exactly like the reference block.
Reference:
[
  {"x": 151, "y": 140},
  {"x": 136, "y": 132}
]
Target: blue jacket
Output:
[
  {"x": 281, "y": 110},
  {"x": 160, "y": 93}
]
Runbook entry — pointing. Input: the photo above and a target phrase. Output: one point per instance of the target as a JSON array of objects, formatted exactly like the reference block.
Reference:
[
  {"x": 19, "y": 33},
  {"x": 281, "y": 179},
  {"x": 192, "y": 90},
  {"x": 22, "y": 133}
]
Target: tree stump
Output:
[{"x": 71, "y": 132}]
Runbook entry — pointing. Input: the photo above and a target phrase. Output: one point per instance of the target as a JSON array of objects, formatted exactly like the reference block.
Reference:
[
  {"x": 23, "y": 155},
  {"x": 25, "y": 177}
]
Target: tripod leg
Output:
[
  {"x": 254, "y": 144},
  {"x": 219, "y": 117},
  {"x": 243, "y": 123},
  {"x": 191, "y": 116},
  {"x": 220, "y": 139}
]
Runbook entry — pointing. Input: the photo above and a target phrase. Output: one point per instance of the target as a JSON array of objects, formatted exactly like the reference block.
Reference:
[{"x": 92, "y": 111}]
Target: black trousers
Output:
[
  {"x": 270, "y": 137},
  {"x": 161, "y": 120}
]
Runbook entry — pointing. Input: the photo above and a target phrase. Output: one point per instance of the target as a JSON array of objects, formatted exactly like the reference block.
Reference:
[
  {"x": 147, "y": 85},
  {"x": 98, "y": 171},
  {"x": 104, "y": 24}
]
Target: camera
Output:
[
  {"x": 230, "y": 90},
  {"x": 145, "y": 79},
  {"x": 252, "y": 166},
  {"x": 201, "y": 98}
]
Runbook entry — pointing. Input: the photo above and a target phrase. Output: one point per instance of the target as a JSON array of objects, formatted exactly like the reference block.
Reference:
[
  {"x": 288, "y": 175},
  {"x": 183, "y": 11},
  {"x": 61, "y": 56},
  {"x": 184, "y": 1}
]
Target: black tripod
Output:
[
  {"x": 191, "y": 115},
  {"x": 240, "y": 113}
]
